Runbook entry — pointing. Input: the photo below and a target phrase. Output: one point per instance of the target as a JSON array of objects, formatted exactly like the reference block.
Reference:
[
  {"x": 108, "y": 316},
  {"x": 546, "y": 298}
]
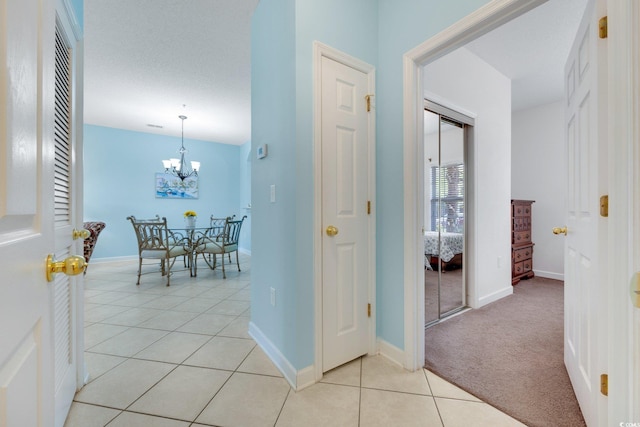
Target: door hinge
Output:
[
  {"x": 604, "y": 384},
  {"x": 368, "y": 207},
  {"x": 635, "y": 289},
  {"x": 602, "y": 27},
  {"x": 369, "y": 310},
  {"x": 368, "y": 99},
  {"x": 604, "y": 206}
]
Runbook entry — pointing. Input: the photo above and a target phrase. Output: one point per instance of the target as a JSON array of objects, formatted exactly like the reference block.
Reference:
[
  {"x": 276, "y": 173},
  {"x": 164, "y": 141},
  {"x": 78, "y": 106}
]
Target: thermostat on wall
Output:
[{"x": 261, "y": 152}]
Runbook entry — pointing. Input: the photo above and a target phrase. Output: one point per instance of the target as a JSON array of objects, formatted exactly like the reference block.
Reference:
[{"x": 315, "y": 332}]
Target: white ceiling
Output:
[
  {"x": 532, "y": 49},
  {"x": 145, "y": 59}
]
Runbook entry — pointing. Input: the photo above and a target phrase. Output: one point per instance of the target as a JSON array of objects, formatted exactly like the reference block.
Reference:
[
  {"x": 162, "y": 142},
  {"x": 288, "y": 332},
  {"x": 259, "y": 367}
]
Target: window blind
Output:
[{"x": 447, "y": 202}]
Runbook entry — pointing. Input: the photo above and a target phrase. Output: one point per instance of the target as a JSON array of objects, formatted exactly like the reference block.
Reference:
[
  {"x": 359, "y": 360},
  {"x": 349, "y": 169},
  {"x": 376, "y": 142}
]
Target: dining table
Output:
[{"x": 188, "y": 237}]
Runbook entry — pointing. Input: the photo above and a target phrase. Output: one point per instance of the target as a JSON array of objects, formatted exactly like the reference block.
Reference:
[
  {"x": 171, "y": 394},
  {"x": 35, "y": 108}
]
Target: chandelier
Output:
[{"x": 179, "y": 167}]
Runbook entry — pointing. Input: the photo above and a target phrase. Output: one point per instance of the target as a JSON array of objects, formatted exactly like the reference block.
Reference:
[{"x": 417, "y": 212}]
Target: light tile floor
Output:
[{"x": 181, "y": 356}]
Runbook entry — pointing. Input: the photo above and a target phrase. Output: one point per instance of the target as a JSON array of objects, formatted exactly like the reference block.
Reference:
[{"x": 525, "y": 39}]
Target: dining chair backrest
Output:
[
  {"x": 232, "y": 231},
  {"x": 217, "y": 225},
  {"x": 152, "y": 234},
  {"x": 157, "y": 242}
]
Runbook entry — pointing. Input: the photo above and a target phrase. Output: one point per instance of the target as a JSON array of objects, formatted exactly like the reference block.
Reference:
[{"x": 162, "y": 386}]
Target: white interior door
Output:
[
  {"x": 38, "y": 355},
  {"x": 67, "y": 291},
  {"x": 585, "y": 244},
  {"x": 26, "y": 212},
  {"x": 345, "y": 196}
]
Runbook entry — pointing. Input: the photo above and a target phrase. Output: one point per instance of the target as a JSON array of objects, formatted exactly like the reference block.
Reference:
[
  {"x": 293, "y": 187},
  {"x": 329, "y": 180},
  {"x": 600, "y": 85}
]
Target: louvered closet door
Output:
[{"x": 64, "y": 287}]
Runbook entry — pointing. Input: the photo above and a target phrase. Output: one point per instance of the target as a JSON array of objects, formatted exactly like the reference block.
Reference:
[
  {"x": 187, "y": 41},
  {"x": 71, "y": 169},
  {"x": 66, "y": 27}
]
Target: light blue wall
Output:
[
  {"x": 378, "y": 32},
  {"x": 403, "y": 24},
  {"x": 78, "y": 8},
  {"x": 244, "y": 169},
  {"x": 283, "y": 32},
  {"x": 119, "y": 171},
  {"x": 351, "y": 27},
  {"x": 273, "y": 122}
]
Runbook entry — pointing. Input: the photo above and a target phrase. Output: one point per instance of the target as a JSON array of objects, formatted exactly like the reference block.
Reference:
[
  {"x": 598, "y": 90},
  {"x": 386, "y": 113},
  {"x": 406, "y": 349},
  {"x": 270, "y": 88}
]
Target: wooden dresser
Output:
[{"x": 521, "y": 244}]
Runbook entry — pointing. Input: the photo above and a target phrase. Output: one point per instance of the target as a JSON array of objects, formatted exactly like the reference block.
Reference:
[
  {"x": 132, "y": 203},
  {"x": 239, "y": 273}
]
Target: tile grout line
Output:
[
  {"x": 435, "y": 402},
  {"x": 167, "y": 332},
  {"x": 182, "y": 364},
  {"x": 360, "y": 394}
]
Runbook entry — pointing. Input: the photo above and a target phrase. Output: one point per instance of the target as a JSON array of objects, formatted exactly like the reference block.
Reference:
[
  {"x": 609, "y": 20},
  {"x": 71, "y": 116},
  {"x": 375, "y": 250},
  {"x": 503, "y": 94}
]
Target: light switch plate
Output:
[{"x": 261, "y": 151}]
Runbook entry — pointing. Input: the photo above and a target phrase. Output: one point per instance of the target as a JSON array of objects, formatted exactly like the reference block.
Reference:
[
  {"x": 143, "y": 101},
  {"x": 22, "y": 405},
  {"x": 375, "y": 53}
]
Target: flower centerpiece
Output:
[{"x": 190, "y": 217}]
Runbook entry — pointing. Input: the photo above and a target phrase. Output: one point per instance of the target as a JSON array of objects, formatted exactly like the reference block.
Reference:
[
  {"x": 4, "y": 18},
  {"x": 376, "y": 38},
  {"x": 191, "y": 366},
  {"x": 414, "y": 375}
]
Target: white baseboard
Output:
[
  {"x": 391, "y": 352},
  {"x": 114, "y": 259},
  {"x": 306, "y": 377},
  {"x": 297, "y": 379},
  {"x": 495, "y": 296},
  {"x": 135, "y": 257},
  {"x": 549, "y": 275}
]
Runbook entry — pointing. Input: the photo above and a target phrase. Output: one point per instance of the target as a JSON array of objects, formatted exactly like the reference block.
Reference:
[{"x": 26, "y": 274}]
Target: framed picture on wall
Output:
[{"x": 169, "y": 186}]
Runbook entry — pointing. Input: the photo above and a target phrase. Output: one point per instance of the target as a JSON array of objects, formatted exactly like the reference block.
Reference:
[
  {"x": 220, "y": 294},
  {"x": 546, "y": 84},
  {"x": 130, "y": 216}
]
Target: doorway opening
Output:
[{"x": 445, "y": 184}]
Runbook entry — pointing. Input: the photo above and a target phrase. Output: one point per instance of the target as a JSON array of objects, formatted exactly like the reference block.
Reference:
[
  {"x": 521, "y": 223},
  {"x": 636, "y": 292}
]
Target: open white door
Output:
[
  {"x": 37, "y": 356},
  {"x": 586, "y": 232},
  {"x": 26, "y": 212}
]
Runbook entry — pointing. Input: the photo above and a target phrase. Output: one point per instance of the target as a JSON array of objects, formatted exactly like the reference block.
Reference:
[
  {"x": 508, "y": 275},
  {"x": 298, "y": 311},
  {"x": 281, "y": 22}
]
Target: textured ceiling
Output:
[
  {"x": 145, "y": 59},
  {"x": 532, "y": 49}
]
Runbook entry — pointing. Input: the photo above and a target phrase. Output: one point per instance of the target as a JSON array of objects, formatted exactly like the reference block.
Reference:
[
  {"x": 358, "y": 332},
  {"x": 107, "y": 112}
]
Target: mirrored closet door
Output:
[{"x": 444, "y": 215}]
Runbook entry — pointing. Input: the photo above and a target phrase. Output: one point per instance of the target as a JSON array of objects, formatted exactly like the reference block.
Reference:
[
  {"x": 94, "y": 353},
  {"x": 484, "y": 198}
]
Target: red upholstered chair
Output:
[{"x": 94, "y": 227}]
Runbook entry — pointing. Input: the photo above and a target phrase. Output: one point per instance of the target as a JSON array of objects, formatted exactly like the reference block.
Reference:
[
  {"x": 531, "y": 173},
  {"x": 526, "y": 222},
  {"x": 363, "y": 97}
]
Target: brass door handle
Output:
[
  {"x": 560, "y": 230},
  {"x": 80, "y": 234},
  {"x": 332, "y": 231},
  {"x": 71, "y": 266}
]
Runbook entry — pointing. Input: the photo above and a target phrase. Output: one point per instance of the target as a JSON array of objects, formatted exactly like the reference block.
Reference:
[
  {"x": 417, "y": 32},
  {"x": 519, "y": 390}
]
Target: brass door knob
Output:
[
  {"x": 80, "y": 234},
  {"x": 332, "y": 231},
  {"x": 560, "y": 230},
  {"x": 71, "y": 266}
]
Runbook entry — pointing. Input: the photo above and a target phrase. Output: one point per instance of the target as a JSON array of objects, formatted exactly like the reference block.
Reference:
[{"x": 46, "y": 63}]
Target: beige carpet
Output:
[{"x": 510, "y": 354}]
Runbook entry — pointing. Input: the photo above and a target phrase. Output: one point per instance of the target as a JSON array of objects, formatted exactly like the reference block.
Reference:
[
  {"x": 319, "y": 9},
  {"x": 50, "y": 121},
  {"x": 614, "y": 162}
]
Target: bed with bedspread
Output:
[{"x": 445, "y": 246}]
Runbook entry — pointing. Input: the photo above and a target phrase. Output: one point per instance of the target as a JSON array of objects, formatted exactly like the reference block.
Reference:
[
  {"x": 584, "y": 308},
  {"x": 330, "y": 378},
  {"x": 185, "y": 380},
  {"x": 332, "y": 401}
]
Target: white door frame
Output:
[
  {"x": 321, "y": 50},
  {"x": 624, "y": 175},
  {"x": 467, "y": 29},
  {"x": 624, "y": 205}
]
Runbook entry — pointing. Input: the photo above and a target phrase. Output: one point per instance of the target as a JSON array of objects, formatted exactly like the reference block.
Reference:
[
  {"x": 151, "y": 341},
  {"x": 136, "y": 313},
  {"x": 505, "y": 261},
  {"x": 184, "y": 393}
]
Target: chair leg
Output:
[
  {"x": 224, "y": 274},
  {"x": 237, "y": 261},
  {"x": 195, "y": 264},
  {"x": 168, "y": 270},
  {"x": 139, "y": 270}
]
